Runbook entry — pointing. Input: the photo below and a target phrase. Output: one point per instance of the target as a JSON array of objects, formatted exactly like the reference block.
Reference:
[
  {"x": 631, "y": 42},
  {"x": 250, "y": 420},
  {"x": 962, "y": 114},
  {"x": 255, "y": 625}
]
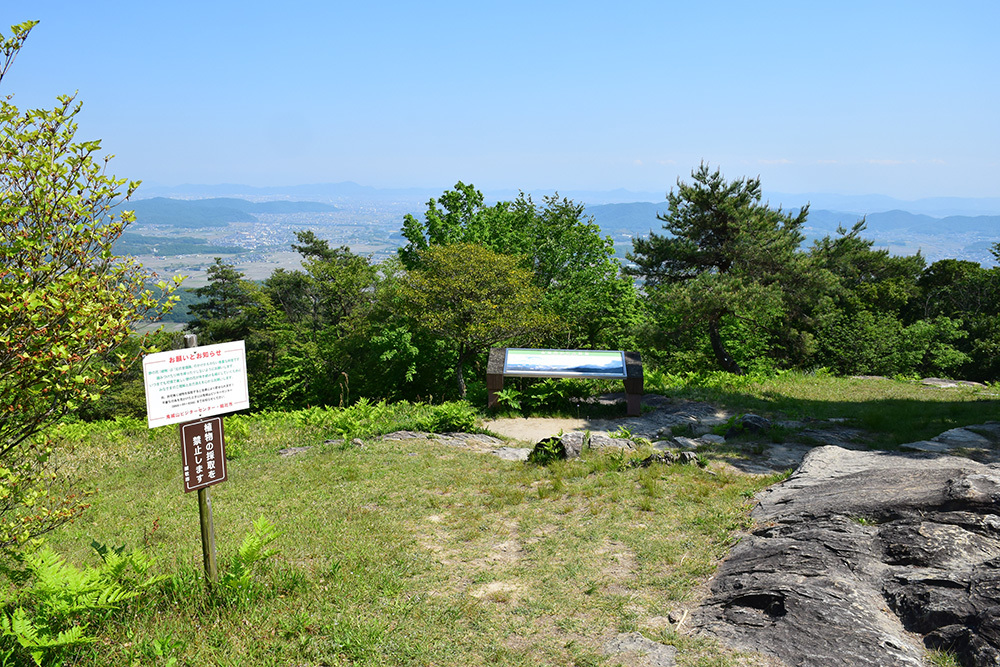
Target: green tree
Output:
[
  {"x": 726, "y": 258},
  {"x": 958, "y": 288},
  {"x": 872, "y": 321},
  {"x": 227, "y": 307},
  {"x": 473, "y": 298},
  {"x": 336, "y": 283},
  {"x": 970, "y": 294},
  {"x": 66, "y": 302},
  {"x": 562, "y": 247},
  {"x": 868, "y": 278},
  {"x": 321, "y": 309}
]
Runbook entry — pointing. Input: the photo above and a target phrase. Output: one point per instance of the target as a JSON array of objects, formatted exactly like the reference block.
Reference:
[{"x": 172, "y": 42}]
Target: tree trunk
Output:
[
  {"x": 719, "y": 347},
  {"x": 459, "y": 372}
]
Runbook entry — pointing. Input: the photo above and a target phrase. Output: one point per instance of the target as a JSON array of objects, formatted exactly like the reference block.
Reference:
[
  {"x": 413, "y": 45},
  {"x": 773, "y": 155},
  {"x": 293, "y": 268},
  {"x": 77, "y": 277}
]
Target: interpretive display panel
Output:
[
  {"x": 520, "y": 362},
  {"x": 196, "y": 382}
]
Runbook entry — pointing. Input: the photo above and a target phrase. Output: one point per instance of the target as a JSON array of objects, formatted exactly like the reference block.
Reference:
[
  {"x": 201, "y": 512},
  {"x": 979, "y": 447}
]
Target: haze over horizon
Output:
[{"x": 892, "y": 98}]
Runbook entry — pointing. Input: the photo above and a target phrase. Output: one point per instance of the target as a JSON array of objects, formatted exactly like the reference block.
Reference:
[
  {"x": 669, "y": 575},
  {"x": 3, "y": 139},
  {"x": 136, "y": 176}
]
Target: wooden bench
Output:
[{"x": 587, "y": 364}]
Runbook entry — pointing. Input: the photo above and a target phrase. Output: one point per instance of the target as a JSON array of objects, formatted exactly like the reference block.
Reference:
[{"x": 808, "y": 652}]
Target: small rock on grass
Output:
[
  {"x": 512, "y": 453},
  {"x": 669, "y": 458},
  {"x": 655, "y": 654}
]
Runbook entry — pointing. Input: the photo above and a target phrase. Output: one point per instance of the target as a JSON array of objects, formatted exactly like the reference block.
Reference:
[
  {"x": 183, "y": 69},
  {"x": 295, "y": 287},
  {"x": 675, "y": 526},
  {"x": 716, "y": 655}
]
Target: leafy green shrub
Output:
[
  {"x": 548, "y": 394},
  {"x": 510, "y": 398},
  {"x": 239, "y": 584},
  {"x": 456, "y": 416},
  {"x": 547, "y": 451},
  {"x": 621, "y": 432},
  {"x": 659, "y": 381}
]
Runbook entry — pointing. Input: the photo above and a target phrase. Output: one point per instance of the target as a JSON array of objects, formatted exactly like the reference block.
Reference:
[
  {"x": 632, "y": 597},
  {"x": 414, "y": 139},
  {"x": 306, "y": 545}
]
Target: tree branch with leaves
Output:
[{"x": 67, "y": 302}]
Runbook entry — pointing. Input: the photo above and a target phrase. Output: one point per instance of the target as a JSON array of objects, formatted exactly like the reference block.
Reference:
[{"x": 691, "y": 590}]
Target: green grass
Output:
[
  {"x": 421, "y": 553},
  {"x": 403, "y": 553}
]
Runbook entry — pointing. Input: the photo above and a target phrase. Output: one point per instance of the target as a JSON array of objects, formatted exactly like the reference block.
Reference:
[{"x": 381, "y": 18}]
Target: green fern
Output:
[
  {"x": 49, "y": 616},
  {"x": 236, "y": 585},
  {"x": 39, "y": 641}
]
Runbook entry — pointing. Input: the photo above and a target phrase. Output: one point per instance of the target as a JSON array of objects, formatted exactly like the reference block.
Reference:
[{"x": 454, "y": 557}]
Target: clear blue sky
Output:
[{"x": 892, "y": 97}]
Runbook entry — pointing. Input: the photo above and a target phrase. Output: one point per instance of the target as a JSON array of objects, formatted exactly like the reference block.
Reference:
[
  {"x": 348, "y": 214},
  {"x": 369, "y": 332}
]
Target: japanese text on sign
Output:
[
  {"x": 202, "y": 450},
  {"x": 182, "y": 385}
]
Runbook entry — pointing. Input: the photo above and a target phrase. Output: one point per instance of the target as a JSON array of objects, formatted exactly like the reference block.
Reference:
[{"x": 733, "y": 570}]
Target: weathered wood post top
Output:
[{"x": 603, "y": 364}]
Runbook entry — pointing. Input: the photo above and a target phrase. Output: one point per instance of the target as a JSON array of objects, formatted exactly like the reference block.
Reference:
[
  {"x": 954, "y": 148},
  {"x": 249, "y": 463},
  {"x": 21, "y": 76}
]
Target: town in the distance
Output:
[{"x": 181, "y": 230}]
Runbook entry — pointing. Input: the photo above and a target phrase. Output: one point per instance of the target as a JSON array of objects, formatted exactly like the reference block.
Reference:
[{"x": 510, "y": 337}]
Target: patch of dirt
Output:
[
  {"x": 618, "y": 561},
  {"x": 529, "y": 430},
  {"x": 495, "y": 591},
  {"x": 667, "y": 413}
]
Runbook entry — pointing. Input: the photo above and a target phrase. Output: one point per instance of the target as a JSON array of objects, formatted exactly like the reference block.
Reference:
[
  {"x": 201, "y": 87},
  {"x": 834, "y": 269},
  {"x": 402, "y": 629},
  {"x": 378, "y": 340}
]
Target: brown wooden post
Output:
[
  {"x": 633, "y": 383},
  {"x": 205, "y": 512},
  {"x": 207, "y": 536},
  {"x": 494, "y": 375}
]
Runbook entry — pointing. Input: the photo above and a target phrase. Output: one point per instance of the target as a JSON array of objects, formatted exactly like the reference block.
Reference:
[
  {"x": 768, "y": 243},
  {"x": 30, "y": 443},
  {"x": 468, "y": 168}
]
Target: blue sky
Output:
[{"x": 895, "y": 98}]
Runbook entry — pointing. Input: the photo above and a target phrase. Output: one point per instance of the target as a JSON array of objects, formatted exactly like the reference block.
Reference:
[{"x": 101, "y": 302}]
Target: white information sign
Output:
[
  {"x": 196, "y": 382},
  {"x": 565, "y": 363}
]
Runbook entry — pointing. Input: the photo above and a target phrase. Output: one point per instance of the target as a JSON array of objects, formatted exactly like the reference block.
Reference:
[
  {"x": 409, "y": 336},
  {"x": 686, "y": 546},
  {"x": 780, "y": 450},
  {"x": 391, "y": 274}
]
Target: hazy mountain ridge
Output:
[
  {"x": 215, "y": 212},
  {"x": 348, "y": 190},
  {"x": 904, "y": 233}
]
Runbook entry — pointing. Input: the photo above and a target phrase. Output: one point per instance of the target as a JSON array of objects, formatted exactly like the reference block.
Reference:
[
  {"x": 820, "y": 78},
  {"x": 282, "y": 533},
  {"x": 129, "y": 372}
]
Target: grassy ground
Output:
[
  {"x": 419, "y": 553},
  {"x": 408, "y": 554}
]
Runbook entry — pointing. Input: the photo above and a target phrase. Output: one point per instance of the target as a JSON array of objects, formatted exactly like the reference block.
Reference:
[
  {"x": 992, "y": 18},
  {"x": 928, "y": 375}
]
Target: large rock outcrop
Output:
[{"x": 864, "y": 558}]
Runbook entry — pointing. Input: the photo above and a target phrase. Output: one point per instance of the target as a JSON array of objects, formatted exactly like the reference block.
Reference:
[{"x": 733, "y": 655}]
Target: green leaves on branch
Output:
[
  {"x": 474, "y": 298},
  {"x": 562, "y": 247},
  {"x": 66, "y": 302},
  {"x": 726, "y": 255}
]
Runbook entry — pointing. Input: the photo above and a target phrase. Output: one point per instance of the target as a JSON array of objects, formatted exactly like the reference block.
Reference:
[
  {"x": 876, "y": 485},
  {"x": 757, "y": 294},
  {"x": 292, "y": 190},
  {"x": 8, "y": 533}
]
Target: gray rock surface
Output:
[
  {"x": 947, "y": 384},
  {"x": 513, "y": 453},
  {"x": 867, "y": 558},
  {"x": 645, "y": 651},
  {"x": 604, "y": 441},
  {"x": 471, "y": 441},
  {"x": 574, "y": 443}
]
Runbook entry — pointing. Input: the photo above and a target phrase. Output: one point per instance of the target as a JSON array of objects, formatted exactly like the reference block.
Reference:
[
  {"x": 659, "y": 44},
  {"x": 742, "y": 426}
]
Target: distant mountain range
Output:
[
  {"x": 904, "y": 233},
  {"x": 641, "y": 217},
  {"x": 217, "y": 212},
  {"x": 349, "y": 191}
]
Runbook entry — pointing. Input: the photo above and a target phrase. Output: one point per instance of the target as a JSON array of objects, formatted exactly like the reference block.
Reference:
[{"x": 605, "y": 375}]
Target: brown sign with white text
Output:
[{"x": 202, "y": 450}]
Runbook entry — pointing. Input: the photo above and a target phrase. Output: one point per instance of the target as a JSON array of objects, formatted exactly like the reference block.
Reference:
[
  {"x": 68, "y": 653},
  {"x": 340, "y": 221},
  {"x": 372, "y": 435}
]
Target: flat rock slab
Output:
[
  {"x": 512, "y": 453},
  {"x": 477, "y": 442},
  {"x": 293, "y": 451},
  {"x": 947, "y": 384},
  {"x": 640, "y": 651},
  {"x": 867, "y": 558},
  {"x": 963, "y": 437}
]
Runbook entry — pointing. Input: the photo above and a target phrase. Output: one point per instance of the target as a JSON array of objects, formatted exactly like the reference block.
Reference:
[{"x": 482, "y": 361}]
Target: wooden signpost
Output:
[{"x": 190, "y": 387}]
